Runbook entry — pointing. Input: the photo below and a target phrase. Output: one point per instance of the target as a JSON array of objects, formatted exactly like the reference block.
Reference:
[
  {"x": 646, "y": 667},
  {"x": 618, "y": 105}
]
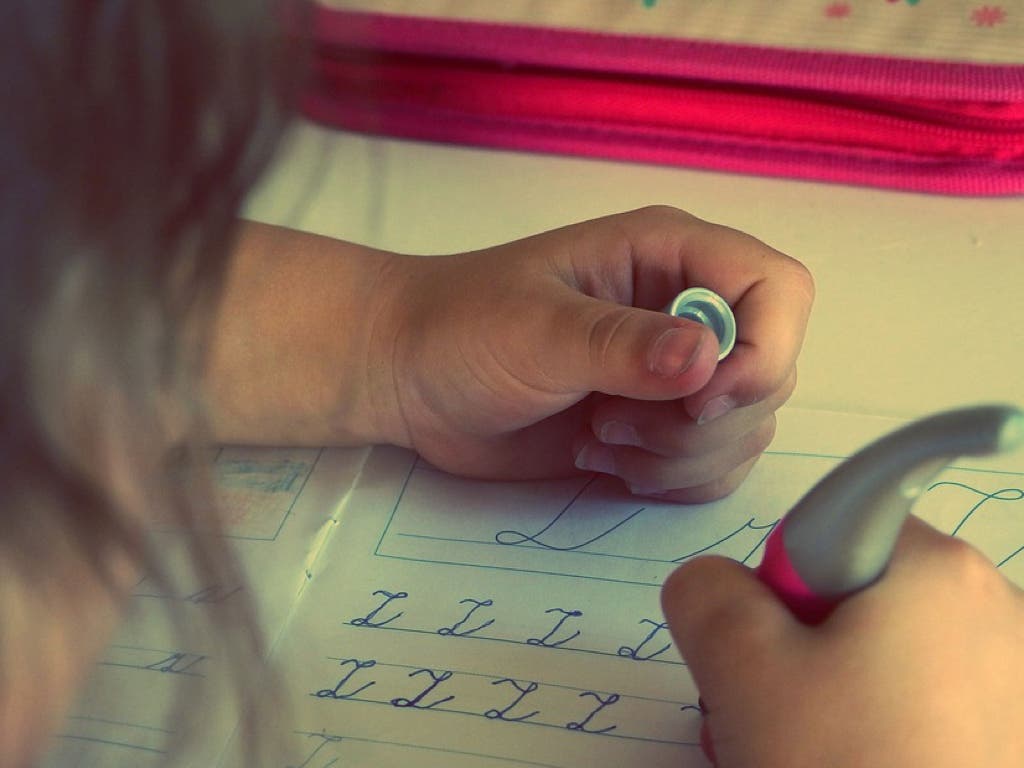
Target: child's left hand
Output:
[{"x": 551, "y": 354}]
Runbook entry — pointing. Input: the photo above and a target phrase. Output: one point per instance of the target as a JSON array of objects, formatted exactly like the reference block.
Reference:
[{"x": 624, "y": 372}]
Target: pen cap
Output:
[
  {"x": 840, "y": 535},
  {"x": 706, "y": 307}
]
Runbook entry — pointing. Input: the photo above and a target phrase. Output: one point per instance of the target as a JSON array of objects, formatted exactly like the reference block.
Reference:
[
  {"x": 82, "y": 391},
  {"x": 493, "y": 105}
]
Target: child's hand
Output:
[
  {"x": 525, "y": 359},
  {"x": 924, "y": 668}
]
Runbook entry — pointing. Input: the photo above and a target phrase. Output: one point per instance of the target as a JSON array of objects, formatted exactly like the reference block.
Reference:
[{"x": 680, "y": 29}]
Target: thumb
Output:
[
  {"x": 601, "y": 346},
  {"x": 724, "y": 621}
]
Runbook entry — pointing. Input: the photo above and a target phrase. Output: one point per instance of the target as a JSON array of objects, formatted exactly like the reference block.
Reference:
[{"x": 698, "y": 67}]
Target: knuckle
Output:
[
  {"x": 683, "y": 445},
  {"x": 603, "y": 329},
  {"x": 966, "y": 565},
  {"x": 663, "y": 211},
  {"x": 771, "y": 383},
  {"x": 712, "y": 490},
  {"x": 678, "y": 435},
  {"x": 788, "y": 387},
  {"x": 767, "y": 378},
  {"x": 691, "y": 480},
  {"x": 776, "y": 391},
  {"x": 665, "y": 478},
  {"x": 725, "y": 486},
  {"x": 762, "y": 435},
  {"x": 800, "y": 277}
]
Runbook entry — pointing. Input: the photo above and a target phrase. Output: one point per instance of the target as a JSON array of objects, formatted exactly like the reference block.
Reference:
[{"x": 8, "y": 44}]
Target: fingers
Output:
[
  {"x": 691, "y": 480},
  {"x": 721, "y": 618},
  {"x": 738, "y": 641},
  {"x": 919, "y": 539},
  {"x": 590, "y": 345},
  {"x": 887, "y": 677},
  {"x": 616, "y": 266},
  {"x": 667, "y": 430},
  {"x": 770, "y": 293},
  {"x": 657, "y": 448},
  {"x": 505, "y": 340},
  {"x": 709, "y": 490},
  {"x": 770, "y": 319},
  {"x": 722, "y": 428}
]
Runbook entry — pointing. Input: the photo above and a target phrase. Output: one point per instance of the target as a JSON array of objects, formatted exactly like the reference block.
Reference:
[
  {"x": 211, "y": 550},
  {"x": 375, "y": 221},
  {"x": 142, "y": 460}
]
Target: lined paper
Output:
[
  {"x": 422, "y": 619},
  {"x": 486, "y": 624}
]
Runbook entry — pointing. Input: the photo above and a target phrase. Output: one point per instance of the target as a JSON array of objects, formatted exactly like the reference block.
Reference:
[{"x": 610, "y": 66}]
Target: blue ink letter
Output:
[
  {"x": 637, "y": 653},
  {"x": 436, "y": 679},
  {"x": 602, "y": 703},
  {"x": 546, "y": 640},
  {"x": 369, "y": 619},
  {"x": 502, "y": 714},
  {"x": 335, "y": 692},
  {"x": 455, "y": 629}
]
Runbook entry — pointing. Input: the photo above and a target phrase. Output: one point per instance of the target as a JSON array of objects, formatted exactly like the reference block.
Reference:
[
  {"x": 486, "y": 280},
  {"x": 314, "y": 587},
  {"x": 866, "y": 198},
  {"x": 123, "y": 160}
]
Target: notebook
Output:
[{"x": 424, "y": 619}]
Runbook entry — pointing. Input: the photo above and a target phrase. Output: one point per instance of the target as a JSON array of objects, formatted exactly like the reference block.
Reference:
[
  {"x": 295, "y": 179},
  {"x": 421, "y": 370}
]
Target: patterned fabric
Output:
[
  {"x": 947, "y": 30},
  {"x": 916, "y": 94}
]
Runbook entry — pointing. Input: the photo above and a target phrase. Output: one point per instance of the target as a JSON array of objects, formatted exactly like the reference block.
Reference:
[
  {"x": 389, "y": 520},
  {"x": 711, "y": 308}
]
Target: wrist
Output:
[
  {"x": 301, "y": 345},
  {"x": 368, "y": 405}
]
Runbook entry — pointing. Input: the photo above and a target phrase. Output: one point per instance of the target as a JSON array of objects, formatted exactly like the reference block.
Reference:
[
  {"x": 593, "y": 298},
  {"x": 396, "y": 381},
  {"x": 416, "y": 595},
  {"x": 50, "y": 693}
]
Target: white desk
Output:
[{"x": 918, "y": 309}]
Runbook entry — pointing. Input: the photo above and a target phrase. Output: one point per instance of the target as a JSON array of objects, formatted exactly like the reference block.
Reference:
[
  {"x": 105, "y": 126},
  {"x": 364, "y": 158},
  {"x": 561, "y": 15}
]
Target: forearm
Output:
[{"x": 292, "y": 358}]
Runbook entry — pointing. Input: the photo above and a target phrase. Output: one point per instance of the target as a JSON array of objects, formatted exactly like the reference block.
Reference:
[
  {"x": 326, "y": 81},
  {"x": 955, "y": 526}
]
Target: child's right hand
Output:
[{"x": 924, "y": 668}]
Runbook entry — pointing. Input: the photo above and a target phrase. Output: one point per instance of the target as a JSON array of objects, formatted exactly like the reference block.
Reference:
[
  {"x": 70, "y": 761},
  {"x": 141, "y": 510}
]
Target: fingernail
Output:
[
  {"x": 715, "y": 407},
  {"x": 595, "y": 457},
  {"x": 674, "y": 351},
  {"x": 617, "y": 433}
]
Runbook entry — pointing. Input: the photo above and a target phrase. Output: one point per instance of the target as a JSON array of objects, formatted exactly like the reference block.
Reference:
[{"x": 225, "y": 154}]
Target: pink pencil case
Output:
[{"x": 890, "y": 94}]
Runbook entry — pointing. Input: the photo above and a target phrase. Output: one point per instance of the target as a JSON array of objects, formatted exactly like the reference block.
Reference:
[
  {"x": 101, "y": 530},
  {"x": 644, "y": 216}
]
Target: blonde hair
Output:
[{"x": 131, "y": 130}]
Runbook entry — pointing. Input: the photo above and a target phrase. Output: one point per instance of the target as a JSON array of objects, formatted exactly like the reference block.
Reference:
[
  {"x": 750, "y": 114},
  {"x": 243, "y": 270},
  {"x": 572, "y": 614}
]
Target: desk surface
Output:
[
  {"x": 919, "y": 297},
  {"x": 918, "y": 308}
]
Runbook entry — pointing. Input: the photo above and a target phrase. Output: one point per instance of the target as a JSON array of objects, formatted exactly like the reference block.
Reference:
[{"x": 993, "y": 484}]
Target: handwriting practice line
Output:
[{"x": 334, "y": 738}]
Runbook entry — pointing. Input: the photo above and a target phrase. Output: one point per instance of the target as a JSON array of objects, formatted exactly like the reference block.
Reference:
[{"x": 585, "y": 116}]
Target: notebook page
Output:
[
  {"x": 280, "y": 507},
  {"x": 463, "y": 623}
]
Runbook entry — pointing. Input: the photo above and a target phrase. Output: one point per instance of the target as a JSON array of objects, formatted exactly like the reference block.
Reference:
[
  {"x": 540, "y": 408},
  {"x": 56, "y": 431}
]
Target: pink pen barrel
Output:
[{"x": 777, "y": 572}]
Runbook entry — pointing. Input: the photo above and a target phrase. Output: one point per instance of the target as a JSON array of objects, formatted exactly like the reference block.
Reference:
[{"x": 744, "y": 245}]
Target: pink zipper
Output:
[{"x": 942, "y": 145}]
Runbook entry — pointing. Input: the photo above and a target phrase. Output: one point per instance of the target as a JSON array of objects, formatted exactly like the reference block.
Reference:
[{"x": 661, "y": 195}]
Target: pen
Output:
[
  {"x": 704, "y": 306},
  {"x": 839, "y": 537}
]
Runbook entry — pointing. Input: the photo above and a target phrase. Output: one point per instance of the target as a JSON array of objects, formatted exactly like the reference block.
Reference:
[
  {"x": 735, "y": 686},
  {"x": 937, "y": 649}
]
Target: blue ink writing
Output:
[
  {"x": 601, "y": 704},
  {"x": 356, "y": 666},
  {"x": 638, "y": 652},
  {"x": 1004, "y": 494},
  {"x": 546, "y": 641},
  {"x": 524, "y": 691},
  {"x": 325, "y": 740},
  {"x": 456, "y": 628},
  {"x": 435, "y": 680},
  {"x": 750, "y": 525},
  {"x": 212, "y": 594},
  {"x": 514, "y": 538},
  {"x": 176, "y": 663},
  {"x": 215, "y": 593},
  {"x": 370, "y": 619}
]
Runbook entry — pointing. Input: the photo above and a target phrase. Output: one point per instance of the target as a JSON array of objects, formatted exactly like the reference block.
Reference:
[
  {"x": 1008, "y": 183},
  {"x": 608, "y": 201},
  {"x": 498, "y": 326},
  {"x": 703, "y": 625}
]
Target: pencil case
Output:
[{"x": 905, "y": 94}]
